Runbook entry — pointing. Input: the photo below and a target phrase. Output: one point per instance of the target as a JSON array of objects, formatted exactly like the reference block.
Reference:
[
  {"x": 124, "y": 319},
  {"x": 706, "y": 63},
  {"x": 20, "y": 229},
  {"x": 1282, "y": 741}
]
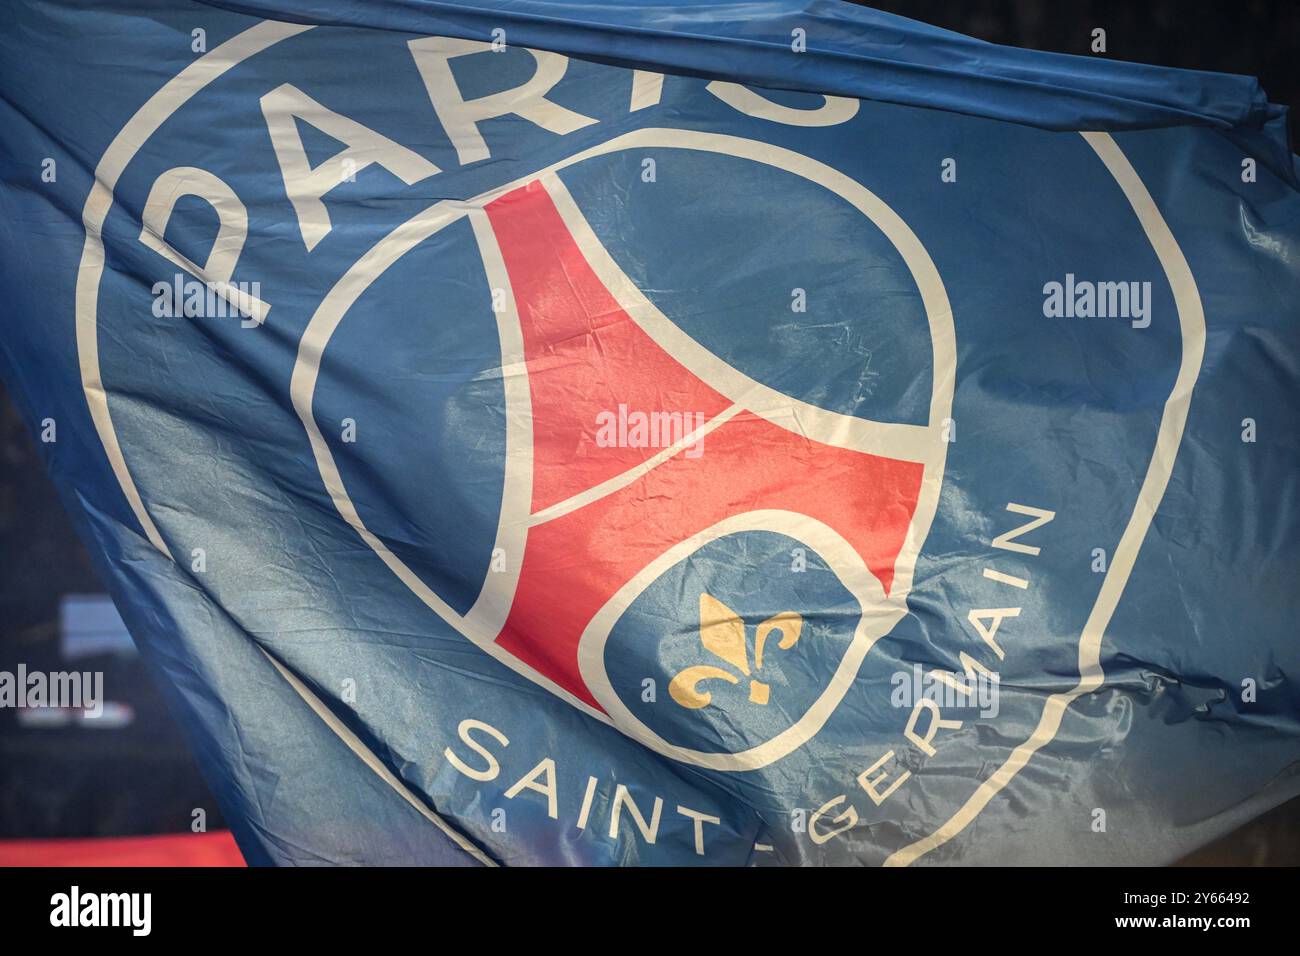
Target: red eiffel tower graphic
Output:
[{"x": 586, "y": 355}]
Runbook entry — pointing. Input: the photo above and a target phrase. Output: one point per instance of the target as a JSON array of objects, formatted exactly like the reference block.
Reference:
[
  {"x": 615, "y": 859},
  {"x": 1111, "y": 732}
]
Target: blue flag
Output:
[{"x": 544, "y": 433}]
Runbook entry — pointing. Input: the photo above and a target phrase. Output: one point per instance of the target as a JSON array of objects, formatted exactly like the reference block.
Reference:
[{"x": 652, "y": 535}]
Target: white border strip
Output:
[
  {"x": 353, "y": 743},
  {"x": 146, "y": 121},
  {"x": 1191, "y": 322},
  {"x": 625, "y": 478},
  {"x": 138, "y": 129}
]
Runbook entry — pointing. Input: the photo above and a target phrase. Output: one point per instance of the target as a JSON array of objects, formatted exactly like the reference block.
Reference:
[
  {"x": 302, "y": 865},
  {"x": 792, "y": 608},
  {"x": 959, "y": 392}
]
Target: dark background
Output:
[
  {"x": 1253, "y": 37},
  {"x": 140, "y": 778}
]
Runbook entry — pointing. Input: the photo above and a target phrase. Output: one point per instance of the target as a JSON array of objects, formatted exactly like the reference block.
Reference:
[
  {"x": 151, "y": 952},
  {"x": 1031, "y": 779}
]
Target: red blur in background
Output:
[{"x": 184, "y": 849}]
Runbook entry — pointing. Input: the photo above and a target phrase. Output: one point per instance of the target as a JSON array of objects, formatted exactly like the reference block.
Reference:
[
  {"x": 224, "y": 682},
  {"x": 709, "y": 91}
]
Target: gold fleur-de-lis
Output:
[{"x": 722, "y": 634}]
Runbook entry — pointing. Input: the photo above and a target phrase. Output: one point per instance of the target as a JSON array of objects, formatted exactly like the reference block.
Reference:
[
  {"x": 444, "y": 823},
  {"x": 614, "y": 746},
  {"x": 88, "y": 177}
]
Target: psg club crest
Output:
[{"x": 667, "y": 521}]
